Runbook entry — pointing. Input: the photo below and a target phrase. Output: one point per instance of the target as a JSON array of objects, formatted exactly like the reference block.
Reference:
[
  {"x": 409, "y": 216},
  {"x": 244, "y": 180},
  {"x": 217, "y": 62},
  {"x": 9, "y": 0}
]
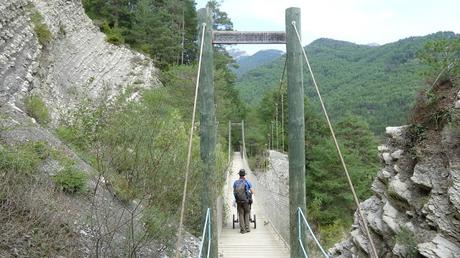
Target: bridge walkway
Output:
[{"x": 261, "y": 242}]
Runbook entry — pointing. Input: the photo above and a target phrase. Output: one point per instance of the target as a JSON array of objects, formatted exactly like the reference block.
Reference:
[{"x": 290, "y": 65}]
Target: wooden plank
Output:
[{"x": 249, "y": 37}]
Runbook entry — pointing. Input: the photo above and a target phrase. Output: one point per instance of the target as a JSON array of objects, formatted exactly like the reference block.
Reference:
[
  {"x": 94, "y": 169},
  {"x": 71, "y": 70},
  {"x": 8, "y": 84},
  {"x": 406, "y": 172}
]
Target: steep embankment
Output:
[
  {"x": 73, "y": 63},
  {"x": 80, "y": 63},
  {"x": 51, "y": 49},
  {"x": 19, "y": 50},
  {"x": 415, "y": 209}
]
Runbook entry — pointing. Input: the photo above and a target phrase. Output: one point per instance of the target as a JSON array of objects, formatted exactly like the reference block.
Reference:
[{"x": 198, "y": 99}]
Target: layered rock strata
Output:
[
  {"x": 19, "y": 50},
  {"x": 415, "y": 209},
  {"x": 76, "y": 64}
]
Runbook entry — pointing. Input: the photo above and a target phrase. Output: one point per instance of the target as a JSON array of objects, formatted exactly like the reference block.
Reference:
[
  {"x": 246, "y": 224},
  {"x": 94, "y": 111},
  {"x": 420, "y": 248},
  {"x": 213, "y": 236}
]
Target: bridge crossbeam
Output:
[{"x": 249, "y": 37}]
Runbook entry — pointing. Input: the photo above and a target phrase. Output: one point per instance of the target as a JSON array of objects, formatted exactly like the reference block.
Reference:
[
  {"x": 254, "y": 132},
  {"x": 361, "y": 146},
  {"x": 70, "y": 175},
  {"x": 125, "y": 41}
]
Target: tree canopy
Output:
[
  {"x": 376, "y": 83},
  {"x": 165, "y": 30}
]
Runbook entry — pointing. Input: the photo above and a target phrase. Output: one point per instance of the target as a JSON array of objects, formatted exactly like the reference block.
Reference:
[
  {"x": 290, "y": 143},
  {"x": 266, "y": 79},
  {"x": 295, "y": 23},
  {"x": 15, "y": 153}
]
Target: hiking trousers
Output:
[{"x": 244, "y": 211}]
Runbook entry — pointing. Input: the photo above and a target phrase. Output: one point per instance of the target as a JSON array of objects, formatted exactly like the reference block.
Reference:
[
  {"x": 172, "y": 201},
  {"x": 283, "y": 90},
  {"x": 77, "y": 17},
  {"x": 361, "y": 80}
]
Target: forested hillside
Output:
[
  {"x": 248, "y": 63},
  {"x": 94, "y": 127},
  {"x": 330, "y": 206},
  {"x": 378, "y": 83},
  {"x": 92, "y": 144},
  {"x": 165, "y": 30}
]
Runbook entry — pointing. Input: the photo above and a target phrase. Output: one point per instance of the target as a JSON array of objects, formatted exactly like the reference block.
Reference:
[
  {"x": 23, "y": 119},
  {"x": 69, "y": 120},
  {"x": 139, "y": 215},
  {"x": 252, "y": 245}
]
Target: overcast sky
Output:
[{"x": 358, "y": 21}]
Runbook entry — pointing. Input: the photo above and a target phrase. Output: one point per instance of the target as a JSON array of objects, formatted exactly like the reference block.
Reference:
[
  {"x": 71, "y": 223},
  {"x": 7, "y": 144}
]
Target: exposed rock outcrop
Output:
[
  {"x": 415, "y": 207},
  {"x": 19, "y": 50},
  {"x": 75, "y": 65},
  {"x": 80, "y": 63}
]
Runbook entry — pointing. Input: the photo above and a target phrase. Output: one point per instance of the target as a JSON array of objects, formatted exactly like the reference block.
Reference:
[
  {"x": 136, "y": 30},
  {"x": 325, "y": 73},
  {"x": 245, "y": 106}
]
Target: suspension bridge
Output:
[
  {"x": 263, "y": 241},
  {"x": 219, "y": 239}
]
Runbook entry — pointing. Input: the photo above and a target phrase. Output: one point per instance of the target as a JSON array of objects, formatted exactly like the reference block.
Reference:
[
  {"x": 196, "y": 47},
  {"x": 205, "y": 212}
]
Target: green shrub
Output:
[
  {"x": 18, "y": 165},
  {"x": 67, "y": 134},
  {"x": 36, "y": 108},
  {"x": 62, "y": 157},
  {"x": 140, "y": 163},
  {"x": 75, "y": 138},
  {"x": 333, "y": 233},
  {"x": 23, "y": 212},
  {"x": 252, "y": 163},
  {"x": 70, "y": 180},
  {"x": 158, "y": 224},
  {"x": 114, "y": 35},
  {"x": 44, "y": 35},
  {"x": 20, "y": 159},
  {"x": 122, "y": 189},
  {"x": 41, "y": 150},
  {"x": 408, "y": 239},
  {"x": 115, "y": 39},
  {"x": 416, "y": 133}
]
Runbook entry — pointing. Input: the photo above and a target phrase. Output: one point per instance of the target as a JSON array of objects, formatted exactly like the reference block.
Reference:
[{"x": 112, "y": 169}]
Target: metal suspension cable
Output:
[
  {"x": 282, "y": 77},
  {"x": 318, "y": 244},
  {"x": 350, "y": 183},
  {"x": 189, "y": 154},
  {"x": 282, "y": 109},
  {"x": 282, "y": 105},
  {"x": 275, "y": 113}
]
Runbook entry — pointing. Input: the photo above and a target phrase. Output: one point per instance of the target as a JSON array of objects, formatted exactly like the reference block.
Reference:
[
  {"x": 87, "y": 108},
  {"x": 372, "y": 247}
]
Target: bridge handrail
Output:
[
  {"x": 207, "y": 225},
  {"x": 299, "y": 216}
]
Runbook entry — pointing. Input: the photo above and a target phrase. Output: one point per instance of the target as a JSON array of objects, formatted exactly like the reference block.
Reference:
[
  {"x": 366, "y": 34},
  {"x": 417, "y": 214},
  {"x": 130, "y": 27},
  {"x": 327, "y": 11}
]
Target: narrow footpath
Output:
[{"x": 261, "y": 242}]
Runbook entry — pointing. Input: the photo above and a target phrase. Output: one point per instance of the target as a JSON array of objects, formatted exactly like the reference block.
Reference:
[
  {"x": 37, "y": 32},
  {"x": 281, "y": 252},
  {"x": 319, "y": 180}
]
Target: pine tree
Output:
[{"x": 165, "y": 30}]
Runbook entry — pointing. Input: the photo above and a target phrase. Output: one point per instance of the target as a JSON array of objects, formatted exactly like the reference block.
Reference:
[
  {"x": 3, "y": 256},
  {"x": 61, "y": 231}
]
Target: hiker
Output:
[{"x": 243, "y": 191}]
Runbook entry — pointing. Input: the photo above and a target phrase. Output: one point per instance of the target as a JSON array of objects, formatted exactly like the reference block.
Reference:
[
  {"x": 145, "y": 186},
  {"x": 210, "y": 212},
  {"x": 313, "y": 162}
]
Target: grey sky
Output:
[{"x": 358, "y": 21}]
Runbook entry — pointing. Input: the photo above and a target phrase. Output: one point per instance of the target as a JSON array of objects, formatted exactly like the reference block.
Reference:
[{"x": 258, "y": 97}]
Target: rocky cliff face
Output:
[
  {"x": 80, "y": 63},
  {"x": 19, "y": 50},
  {"x": 415, "y": 209},
  {"x": 76, "y": 63}
]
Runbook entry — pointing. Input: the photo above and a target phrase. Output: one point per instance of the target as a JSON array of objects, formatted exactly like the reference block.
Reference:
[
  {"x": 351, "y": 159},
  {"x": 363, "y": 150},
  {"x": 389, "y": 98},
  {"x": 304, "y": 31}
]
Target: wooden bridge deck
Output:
[{"x": 260, "y": 242}]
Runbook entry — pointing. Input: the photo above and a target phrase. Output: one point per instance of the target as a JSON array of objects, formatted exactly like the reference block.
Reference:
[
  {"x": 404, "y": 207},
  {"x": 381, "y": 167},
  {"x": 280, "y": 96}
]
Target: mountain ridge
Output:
[
  {"x": 248, "y": 63},
  {"x": 372, "y": 82}
]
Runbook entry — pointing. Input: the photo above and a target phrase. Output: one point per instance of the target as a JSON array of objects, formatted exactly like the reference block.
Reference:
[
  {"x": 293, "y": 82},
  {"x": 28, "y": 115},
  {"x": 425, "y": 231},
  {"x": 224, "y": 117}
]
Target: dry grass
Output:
[{"x": 29, "y": 225}]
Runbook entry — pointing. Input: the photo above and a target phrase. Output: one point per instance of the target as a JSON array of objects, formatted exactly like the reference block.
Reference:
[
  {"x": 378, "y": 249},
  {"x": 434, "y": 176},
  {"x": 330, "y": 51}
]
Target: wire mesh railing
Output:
[{"x": 273, "y": 191}]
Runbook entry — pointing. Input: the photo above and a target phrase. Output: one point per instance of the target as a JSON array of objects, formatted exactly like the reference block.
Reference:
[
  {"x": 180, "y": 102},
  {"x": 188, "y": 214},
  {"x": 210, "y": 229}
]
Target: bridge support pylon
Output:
[
  {"x": 296, "y": 129},
  {"x": 208, "y": 127}
]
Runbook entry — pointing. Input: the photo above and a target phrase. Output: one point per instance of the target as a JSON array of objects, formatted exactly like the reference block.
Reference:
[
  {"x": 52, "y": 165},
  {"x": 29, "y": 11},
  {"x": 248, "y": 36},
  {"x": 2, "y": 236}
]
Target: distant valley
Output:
[{"x": 376, "y": 82}]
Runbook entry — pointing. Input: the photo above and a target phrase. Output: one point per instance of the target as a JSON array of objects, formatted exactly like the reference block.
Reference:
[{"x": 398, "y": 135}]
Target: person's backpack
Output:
[
  {"x": 249, "y": 193},
  {"x": 240, "y": 191}
]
